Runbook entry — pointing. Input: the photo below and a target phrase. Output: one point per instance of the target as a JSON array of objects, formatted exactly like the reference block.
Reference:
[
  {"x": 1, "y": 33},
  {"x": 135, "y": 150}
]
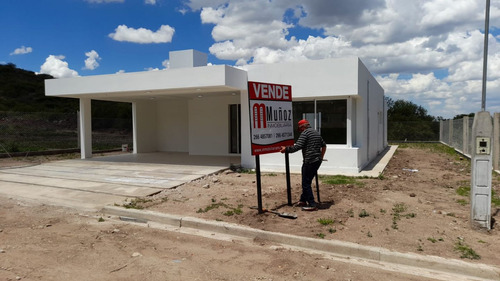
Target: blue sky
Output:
[{"x": 425, "y": 51}]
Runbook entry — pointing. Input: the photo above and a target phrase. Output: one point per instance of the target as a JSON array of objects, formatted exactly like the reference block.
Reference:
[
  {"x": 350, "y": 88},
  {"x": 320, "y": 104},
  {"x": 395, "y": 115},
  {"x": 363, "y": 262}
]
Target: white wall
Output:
[
  {"x": 209, "y": 125},
  {"x": 371, "y": 117},
  {"x": 341, "y": 160},
  {"x": 172, "y": 126},
  {"x": 144, "y": 126},
  {"x": 311, "y": 79},
  {"x": 247, "y": 160}
]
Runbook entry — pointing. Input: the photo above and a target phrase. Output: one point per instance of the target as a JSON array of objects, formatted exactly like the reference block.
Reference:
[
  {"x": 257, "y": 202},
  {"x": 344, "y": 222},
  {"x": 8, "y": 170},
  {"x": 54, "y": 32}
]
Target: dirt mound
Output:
[{"x": 420, "y": 204}]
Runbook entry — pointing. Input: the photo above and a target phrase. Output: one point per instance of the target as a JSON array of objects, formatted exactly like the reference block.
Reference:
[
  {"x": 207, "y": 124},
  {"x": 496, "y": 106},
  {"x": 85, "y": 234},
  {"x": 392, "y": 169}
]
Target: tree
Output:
[
  {"x": 410, "y": 122},
  {"x": 460, "y": 116}
]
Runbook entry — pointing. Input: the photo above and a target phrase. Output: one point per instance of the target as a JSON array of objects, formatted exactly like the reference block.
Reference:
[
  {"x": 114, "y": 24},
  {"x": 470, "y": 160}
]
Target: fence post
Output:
[
  {"x": 441, "y": 130},
  {"x": 450, "y": 131},
  {"x": 496, "y": 140},
  {"x": 465, "y": 135}
]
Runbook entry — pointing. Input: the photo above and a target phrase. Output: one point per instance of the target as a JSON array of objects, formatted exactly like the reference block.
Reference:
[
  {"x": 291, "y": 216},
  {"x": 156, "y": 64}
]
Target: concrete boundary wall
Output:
[{"x": 457, "y": 134}]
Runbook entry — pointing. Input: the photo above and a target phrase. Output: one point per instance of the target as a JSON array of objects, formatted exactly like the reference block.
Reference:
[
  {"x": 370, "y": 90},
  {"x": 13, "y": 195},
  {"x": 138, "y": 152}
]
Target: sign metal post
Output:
[
  {"x": 259, "y": 186},
  {"x": 288, "y": 186}
]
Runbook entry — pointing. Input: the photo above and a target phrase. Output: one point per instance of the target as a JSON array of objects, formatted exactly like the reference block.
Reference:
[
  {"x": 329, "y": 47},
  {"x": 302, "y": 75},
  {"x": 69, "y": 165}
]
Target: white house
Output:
[{"x": 197, "y": 109}]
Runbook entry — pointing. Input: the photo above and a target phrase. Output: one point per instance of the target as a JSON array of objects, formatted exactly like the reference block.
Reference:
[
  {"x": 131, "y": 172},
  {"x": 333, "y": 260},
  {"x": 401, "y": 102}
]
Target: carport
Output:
[
  {"x": 91, "y": 184},
  {"x": 190, "y": 108}
]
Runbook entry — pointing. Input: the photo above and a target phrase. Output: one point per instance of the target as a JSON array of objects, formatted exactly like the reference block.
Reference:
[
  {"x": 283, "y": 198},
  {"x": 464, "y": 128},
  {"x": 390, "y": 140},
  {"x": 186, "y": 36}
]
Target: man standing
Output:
[{"x": 313, "y": 150}]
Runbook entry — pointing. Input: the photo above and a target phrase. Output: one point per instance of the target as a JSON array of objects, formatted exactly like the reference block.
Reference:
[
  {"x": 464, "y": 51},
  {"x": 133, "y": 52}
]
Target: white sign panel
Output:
[{"x": 271, "y": 118}]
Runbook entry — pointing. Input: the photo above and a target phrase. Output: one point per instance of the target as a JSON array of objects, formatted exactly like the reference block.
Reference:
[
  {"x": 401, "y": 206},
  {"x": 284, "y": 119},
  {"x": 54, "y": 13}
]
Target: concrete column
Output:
[
  {"x": 134, "y": 127},
  {"x": 496, "y": 140},
  {"x": 144, "y": 122},
  {"x": 349, "y": 123},
  {"x": 85, "y": 128}
]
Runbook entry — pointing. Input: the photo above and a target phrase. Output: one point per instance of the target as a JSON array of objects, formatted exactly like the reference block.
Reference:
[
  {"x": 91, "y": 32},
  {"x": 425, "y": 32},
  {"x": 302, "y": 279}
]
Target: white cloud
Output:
[
  {"x": 91, "y": 62},
  {"x": 413, "y": 38},
  {"x": 22, "y": 50},
  {"x": 166, "y": 63},
  {"x": 150, "y": 2},
  {"x": 143, "y": 36},
  {"x": 55, "y": 66}
]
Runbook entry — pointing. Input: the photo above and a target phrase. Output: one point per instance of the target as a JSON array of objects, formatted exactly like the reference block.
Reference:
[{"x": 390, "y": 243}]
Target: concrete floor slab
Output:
[{"x": 93, "y": 183}]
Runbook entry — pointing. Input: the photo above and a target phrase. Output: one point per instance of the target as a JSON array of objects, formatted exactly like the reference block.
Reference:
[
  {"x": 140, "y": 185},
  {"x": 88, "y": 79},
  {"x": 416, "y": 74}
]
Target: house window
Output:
[
  {"x": 329, "y": 117},
  {"x": 235, "y": 128}
]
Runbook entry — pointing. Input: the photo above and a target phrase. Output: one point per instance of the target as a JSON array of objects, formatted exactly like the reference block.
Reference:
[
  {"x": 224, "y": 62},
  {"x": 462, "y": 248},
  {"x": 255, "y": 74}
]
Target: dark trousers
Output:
[{"x": 309, "y": 170}]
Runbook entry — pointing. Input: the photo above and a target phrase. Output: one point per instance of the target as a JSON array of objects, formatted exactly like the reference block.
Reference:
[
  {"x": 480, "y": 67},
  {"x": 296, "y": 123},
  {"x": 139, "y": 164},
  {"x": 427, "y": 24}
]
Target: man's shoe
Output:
[
  {"x": 301, "y": 204},
  {"x": 310, "y": 208}
]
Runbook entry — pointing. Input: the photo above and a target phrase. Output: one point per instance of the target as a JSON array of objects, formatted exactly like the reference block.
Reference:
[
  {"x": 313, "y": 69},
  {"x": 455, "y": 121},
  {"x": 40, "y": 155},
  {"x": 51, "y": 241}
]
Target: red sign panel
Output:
[{"x": 271, "y": 119}]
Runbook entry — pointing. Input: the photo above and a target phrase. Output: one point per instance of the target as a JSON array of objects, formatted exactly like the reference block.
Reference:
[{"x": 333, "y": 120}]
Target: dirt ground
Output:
[
  {"x": 39, "y": 242},
  {"x": 414, "y": 207},
  {"x": 418, "y": 206}
]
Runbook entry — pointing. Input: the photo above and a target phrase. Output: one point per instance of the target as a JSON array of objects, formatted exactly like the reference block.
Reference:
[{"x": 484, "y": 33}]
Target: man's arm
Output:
[
  {"x": 323, "y": 151},
  {"x": 301, "y": 141}
]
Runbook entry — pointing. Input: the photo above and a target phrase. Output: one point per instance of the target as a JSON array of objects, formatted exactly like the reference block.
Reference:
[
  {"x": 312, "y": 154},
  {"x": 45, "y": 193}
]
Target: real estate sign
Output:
[{"x": 271, "y": 118}]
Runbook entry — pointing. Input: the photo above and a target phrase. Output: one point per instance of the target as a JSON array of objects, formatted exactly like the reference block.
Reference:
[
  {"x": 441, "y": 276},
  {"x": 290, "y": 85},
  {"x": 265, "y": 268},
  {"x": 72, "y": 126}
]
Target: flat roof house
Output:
[{"x": 197, "y": 109}]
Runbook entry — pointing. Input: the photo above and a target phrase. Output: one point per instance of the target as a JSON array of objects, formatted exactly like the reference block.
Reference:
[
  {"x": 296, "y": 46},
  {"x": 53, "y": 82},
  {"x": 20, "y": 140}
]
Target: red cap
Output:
[{"x": 303, "y": 122}]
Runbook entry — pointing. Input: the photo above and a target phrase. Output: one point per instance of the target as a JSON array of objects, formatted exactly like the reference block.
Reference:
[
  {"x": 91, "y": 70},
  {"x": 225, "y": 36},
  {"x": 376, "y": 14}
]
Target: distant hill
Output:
[{"x": 24, "y": 91}]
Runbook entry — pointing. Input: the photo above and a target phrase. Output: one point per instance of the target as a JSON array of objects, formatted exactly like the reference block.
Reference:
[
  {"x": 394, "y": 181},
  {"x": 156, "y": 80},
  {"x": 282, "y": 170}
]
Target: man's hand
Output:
[{"x": 283, "y": 149}]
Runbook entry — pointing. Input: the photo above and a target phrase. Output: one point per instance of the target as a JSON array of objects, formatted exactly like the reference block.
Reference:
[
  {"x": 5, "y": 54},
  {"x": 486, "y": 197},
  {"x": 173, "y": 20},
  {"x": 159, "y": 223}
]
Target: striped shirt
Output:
[{"x": 310, "y": 142}]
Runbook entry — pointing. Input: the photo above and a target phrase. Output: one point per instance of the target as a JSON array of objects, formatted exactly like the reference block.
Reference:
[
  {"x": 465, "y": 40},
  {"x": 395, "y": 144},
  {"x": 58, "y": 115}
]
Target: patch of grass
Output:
[
  {"x": 100, "y": 219},
  {"x": 136, "y": 203},
  {"x": 410, "y": 215},
  {"x": 247, "y": 171},
  {"x": 231, "y": 211},
  {"x": 363, "y": 214},
  {"x": 238, "y": 210},
  {"x": 463, "y": 191},
  {"x": 383, "y": 211},
  {"x": 211, "y": 207},
  {"x": 434, "y": 147},
  {"x": 397, "y": 212},
  {"x": 399, "y": 208},
  {"x": 271, "y": 174},
  {"x": 394, "y": 224},
  {"x": 321, "y": 235},
  {"x": 495, "y": 200},
  {"x": 325, "y": 221},
  {"x": 351, "y": 213},
  {"x": 332, "y": 230},
  {"x": 432, "y": 239},
  {"x": 369, "y": 234},
  {"x": 466, "y": 251},
  {"x": 340, "y": 179}
]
